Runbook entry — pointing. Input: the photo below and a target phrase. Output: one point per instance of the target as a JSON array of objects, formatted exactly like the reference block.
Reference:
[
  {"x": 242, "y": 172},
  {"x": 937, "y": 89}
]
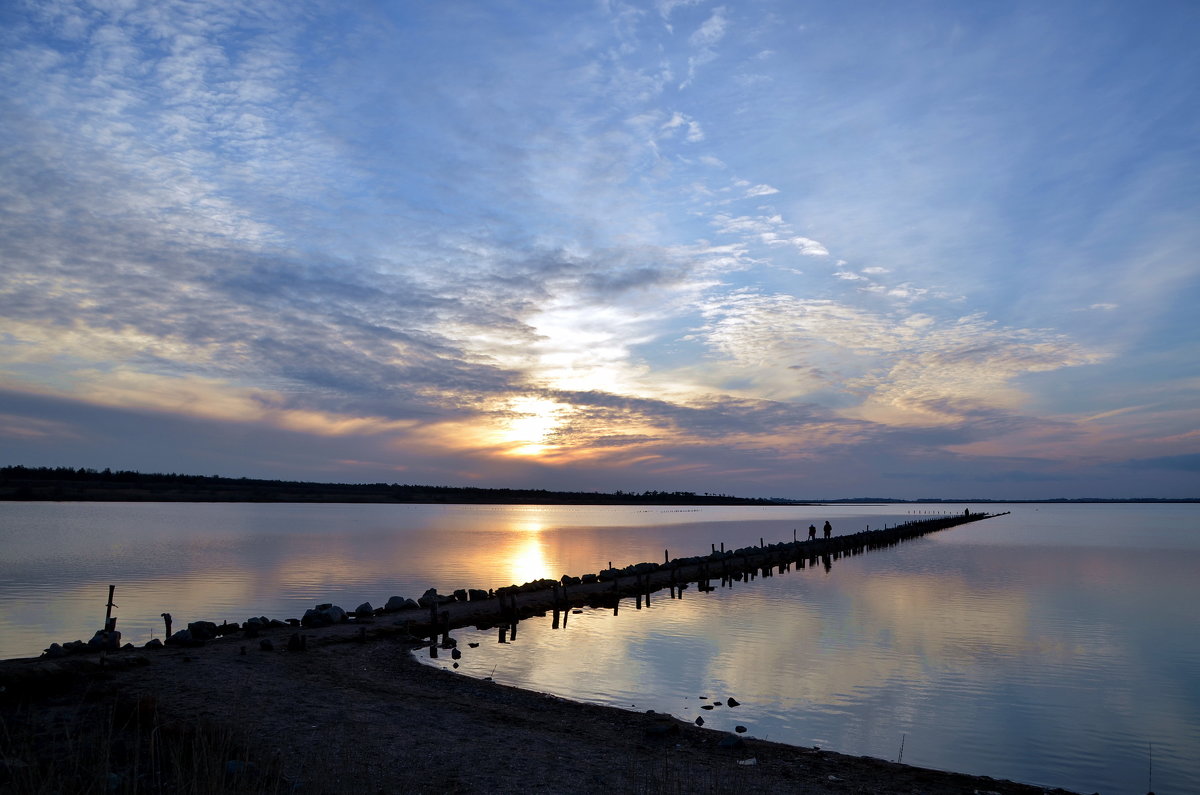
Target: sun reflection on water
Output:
[{"x": 524, "y": 554}]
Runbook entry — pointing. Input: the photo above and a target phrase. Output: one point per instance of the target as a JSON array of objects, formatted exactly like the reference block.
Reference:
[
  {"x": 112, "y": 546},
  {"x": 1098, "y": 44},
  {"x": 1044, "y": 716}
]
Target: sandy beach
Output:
[{"x": 354, "y": 712}]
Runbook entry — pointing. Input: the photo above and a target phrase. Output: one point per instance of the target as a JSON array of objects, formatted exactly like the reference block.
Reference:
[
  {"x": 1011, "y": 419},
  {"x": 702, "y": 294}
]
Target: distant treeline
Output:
[{"x": 68, "y": 484}]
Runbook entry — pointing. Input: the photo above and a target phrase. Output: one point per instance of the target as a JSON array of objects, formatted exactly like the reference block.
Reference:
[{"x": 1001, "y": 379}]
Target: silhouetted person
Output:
[
  {"x": 828, "y": 528},
  {"x": 812, "y": 532}
]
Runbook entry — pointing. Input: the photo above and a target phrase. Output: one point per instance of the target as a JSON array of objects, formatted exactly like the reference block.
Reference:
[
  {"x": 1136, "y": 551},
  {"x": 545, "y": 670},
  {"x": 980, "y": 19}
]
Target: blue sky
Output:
[{"x": 764, "y": 248}]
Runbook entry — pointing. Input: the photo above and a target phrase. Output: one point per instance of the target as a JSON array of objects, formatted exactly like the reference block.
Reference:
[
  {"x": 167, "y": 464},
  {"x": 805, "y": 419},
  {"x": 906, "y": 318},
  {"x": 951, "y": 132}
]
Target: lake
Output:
[{"x": 1058, "y": 645}]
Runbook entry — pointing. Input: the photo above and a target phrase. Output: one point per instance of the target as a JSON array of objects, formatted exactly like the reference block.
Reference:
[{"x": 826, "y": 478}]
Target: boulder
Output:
[
  {"x": 202, "y": 630},
  {"x": 476, "y": 595},
  {"x": 55, "y": 650},
  {"x": 183, "y": 638},
  {"x": 105, "y": 641},
  {"x": 429, "y": 598},
  {"x": 315, "y": 618},
  {"x": 323, "y": 616},
  {"x": 364, "y": 610},
  {"x": 153, "y": 643},
  {"x": 228, "y": 629},
  {"x": 460, "y": 595},
  {"x": 396, "y": 603}
]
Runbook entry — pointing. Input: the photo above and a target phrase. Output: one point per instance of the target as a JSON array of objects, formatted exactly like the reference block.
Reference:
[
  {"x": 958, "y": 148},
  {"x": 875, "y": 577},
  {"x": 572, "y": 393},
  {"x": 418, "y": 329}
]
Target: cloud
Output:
[
  {"x": 760, "y": 190},
  {"x": 1178, "y": 463},
  {"x": 712, "y": 30}
]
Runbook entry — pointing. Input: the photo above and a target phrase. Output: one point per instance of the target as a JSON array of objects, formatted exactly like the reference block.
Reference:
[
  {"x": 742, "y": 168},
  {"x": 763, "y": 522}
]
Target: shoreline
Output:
[{"x": 356, "y": 712}]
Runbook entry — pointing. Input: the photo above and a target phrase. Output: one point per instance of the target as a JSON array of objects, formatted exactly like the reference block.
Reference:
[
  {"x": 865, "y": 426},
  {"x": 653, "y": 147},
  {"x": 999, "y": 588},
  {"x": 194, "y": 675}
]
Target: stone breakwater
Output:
[{"x": 433, "y": 614}]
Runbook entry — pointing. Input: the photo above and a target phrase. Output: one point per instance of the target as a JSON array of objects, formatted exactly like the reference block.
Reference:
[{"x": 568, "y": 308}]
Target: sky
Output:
[{"x": 765, "y": 248}]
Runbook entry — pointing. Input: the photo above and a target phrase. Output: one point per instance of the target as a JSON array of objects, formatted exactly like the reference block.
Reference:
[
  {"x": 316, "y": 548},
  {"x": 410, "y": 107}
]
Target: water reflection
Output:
[
  {"x": 1032, "y": 671},
  {"x": 524, "y": 555},
  {"x": 1012, "y": 647}
]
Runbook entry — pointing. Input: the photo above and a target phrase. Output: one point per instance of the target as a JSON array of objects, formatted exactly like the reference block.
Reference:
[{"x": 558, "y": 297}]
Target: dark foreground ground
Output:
[{"x": 357, "y": 714}]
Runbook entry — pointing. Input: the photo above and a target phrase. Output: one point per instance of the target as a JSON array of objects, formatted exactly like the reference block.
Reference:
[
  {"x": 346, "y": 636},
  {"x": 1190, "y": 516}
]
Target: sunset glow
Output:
[{"x": 757, "y": 248}]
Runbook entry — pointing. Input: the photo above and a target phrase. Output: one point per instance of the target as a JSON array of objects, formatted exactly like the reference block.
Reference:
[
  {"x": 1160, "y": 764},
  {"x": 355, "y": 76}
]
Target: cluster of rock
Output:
[{"x": 323, "y": 615}]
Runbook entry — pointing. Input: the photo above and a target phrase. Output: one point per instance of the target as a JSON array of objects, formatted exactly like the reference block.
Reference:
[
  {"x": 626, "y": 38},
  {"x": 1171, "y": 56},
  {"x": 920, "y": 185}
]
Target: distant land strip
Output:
[
  {"x": 88, "y": 485},
  {"x": 67, "y": 484}
]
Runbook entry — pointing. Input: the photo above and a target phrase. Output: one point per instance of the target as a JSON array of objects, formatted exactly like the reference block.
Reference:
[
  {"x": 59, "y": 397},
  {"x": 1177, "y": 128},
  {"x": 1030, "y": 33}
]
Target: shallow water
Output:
[{"x": 1057, "y": 645}]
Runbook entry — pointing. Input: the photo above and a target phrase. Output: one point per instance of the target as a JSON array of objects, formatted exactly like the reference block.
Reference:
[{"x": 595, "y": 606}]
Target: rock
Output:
[
  {"x": 364, "y": 610},
  {"x": 395, "y": 603},
  {"x": 55, "y": 650},
  {"x": 323, "y": 616},
  {"x": 476, "y": 595},
  {"x": 733, "y": 702},
  {"x": 455, "y": 654},
  {"x": 699, "y": 721},
  {"x": 75, "y": 647},
  {"x": 105, "y": 641},
  {"x": 228, "y": 629},
  {"x": 153, "y": 643},
  {"x": 315, "y": 618},
  {"x": 183, "y": 638},
  {"x": 460, "y": 594},
  {"x": 740, "y": 729},
  {"x": 706, "y": 706},
  {"x": 429, "y": 598},
  {"x": 202, "y": 630}
]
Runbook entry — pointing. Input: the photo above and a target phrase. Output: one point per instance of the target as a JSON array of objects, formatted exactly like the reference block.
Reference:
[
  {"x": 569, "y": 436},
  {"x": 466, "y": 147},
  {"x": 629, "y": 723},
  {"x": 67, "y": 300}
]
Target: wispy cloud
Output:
[{"x": 655, "y": 237}]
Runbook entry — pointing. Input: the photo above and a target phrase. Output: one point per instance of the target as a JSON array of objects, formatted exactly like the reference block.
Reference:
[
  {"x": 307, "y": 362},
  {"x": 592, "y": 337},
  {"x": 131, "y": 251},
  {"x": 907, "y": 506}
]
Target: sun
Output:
[{"x": 531, "y": 423}]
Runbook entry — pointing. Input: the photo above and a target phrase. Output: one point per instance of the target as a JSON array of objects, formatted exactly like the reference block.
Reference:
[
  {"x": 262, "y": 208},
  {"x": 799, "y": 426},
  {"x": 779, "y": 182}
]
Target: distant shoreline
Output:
[{"x": 64, "y": 484}]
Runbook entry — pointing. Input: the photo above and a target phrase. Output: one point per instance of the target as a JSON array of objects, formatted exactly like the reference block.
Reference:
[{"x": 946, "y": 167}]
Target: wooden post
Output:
[
  {"x": 109, "y": 621},
  {"x": 166, "y": 617}
]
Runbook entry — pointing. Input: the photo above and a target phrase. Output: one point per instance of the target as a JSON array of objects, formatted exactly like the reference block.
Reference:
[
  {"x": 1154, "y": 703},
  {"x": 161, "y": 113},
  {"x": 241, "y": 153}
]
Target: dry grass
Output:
[{"x": 105, "y": 744}]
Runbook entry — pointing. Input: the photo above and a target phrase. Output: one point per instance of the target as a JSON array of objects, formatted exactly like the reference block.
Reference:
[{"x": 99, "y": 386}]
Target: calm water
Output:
[{"x": 1058, "y": 645}]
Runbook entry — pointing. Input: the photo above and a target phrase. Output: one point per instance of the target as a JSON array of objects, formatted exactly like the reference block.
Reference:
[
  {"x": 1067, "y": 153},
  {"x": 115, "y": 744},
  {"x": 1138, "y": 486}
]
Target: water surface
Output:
[{"x": 1058, "y": 645}]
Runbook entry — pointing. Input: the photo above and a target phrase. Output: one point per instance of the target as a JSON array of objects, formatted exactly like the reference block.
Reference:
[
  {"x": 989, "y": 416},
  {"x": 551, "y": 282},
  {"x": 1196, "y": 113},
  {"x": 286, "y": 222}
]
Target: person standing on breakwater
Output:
[
  {"x": 812, "y": 532},
  {"x": 828, "y": 528}
]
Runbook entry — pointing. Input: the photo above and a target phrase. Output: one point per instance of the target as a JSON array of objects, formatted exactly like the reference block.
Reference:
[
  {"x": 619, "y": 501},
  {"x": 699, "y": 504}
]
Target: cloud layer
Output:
[{"x": 672, "y": 245}]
